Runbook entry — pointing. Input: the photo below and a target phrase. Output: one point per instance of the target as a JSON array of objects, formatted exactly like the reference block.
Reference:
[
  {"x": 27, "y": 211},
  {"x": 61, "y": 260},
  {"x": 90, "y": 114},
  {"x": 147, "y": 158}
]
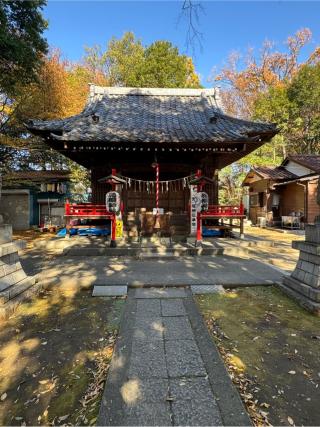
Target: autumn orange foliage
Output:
[{"x": 244, "y": 79}]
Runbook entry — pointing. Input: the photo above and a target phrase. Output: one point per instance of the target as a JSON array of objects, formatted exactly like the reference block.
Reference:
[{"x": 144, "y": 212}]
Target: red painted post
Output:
[
  {"x": 113, "y": 242},
  {"x": 157, "y": 221},
  {"x": 67, "y": 207},
  {"x": 241, "y": 208}
]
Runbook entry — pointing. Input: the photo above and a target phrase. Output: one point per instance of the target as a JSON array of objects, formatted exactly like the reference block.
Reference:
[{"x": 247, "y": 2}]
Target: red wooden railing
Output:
[
  {"x": 86, "y": 210},
  {"x": 222, "y": 210}
]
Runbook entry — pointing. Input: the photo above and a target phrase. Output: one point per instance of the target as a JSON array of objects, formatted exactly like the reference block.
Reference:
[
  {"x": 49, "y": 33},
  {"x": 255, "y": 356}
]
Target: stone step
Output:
[
  {"x": 8, "y": 249},
  {"x": 12, "y": 278},
  {"x": 7, "y": 309},
  {"x": 5, "y": 233},
  {"x": 16, "y": 289},
  {"x": 109, "y": 291}
]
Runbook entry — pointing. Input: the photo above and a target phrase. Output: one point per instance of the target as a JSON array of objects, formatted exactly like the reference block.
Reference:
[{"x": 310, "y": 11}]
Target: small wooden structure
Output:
[{"x": 284, "y": 195}]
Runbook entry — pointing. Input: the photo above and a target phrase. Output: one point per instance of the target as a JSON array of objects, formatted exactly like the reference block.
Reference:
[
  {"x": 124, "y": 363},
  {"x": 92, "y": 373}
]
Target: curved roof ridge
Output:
[{"x": 151, "y": 91}]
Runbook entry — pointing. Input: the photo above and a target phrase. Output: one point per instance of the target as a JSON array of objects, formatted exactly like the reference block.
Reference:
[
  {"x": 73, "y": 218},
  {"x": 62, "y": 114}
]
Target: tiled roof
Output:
[
  {"x": 274, "y": 173},
  {"x": 310, "y": 161},
  {"x": 38, "y": 175},
  {"x": 153, "y": 115}
]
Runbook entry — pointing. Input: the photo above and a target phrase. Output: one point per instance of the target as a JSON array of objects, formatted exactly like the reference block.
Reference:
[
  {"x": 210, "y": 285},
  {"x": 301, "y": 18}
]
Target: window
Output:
[
  {"x": 254, "y": 200},
  {"x": 261, "y": 199}
]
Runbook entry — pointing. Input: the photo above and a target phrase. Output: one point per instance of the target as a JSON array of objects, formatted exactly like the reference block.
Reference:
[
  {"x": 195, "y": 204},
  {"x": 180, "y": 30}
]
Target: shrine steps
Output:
[{"x": 15, "y": 285}]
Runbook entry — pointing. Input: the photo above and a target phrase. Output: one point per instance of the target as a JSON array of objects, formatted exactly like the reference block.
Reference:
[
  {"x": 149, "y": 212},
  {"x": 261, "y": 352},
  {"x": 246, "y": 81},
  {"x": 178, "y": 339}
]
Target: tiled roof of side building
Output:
[
  {"x": 310, "y": 161},
  {"x": 38, "y": 175},
  {"x": 274, "y": 173},
  {"x": 153, "y": 115}
]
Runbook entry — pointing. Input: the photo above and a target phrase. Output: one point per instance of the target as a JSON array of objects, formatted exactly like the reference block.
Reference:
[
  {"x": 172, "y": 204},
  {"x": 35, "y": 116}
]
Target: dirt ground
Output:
[
  {"x": 32, "y": 235},
  {"x": 281, "y": 255},
  {"x": 271, "y": 347},
  {"x": 54, "y": 356}
]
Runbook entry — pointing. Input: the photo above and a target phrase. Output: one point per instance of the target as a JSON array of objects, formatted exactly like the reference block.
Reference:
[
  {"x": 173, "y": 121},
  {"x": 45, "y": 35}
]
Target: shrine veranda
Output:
[{"x": 123, "y": 133}]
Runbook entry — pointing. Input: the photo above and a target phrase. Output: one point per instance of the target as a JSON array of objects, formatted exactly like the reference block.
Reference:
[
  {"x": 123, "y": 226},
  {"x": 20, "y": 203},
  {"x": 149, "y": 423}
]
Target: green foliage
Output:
[
  {"x": 164, "y": 66},
  {"x": 304, "y": 95},
  {"x": 126, "y": 62},
  {"x": 21, "y": 42}
]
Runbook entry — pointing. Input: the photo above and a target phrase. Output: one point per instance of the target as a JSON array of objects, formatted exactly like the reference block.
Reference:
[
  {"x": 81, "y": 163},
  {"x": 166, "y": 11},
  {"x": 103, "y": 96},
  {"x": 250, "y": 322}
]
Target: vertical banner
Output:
[{"x": 193, "y": 210}]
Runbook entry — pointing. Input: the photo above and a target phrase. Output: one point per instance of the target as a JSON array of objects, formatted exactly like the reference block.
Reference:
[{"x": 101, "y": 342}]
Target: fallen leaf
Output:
[
  {"x": 64, "y": 417},
  {"x": 290, "y": 421}
]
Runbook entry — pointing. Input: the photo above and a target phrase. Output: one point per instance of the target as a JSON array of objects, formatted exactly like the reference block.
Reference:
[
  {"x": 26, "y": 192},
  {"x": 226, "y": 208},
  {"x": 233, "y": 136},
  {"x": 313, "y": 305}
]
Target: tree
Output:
[
  {"x": 165, "y": 67},
  {"x": 273, "y": 87},
  {"x": 22, "y": 46},
  {"x": 21, "y": 42},
  {"x": 61, "y": 90},
  {"x": 244, "y": 80},
  {"x": 126, "y": 62},
  {"x": 304, "y": 96}
]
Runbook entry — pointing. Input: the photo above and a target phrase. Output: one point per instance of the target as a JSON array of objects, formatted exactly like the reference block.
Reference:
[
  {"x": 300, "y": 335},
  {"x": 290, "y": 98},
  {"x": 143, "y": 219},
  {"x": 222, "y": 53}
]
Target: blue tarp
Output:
[
  {"x": 206, "y": 232},
  {"x": 84, "y": 232}
]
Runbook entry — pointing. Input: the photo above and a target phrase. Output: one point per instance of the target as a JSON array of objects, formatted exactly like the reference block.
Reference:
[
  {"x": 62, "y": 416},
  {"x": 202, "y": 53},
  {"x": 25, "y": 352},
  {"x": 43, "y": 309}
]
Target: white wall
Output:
[{"x": 297, "y": 169}]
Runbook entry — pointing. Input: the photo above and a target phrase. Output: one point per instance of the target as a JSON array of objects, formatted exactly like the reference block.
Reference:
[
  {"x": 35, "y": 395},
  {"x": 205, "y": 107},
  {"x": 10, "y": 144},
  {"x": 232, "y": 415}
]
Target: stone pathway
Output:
[{"x": 166, "y": 369}]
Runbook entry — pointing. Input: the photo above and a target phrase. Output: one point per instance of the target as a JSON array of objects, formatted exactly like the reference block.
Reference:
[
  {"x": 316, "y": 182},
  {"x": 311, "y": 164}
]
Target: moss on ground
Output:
[
  {"x": 276, "y": 344},
  {"x": 54, "y": 357}
]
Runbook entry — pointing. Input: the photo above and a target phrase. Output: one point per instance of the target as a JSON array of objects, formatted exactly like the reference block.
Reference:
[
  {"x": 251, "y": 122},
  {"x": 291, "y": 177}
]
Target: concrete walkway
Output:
[
  {"x": 77, "y": 272},
  {"x": 165, "y": 369}
]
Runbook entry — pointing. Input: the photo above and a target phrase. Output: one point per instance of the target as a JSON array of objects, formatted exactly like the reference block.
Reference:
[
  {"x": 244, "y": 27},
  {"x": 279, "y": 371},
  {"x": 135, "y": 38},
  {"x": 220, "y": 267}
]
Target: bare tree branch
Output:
[{"x": 191, "y": 11}]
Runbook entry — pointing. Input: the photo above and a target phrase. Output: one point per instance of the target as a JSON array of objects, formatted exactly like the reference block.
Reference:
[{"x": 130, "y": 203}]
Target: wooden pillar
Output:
[
  {"x": 212, "y": 189},
  {"x": 241, "y": 228}
]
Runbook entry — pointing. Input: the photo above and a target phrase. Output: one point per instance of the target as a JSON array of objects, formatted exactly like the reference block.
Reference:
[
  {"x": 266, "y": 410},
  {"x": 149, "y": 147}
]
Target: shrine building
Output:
[{"x": 130, "y": 129}]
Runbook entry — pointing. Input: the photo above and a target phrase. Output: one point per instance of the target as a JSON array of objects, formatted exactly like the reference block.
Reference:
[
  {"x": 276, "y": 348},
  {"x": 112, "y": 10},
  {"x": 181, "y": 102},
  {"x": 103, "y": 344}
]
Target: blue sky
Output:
[{"x": 226, "y": 26}]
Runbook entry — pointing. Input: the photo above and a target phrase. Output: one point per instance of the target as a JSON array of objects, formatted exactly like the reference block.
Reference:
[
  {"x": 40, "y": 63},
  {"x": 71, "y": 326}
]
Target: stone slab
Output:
[
  {"x": 109, "y": 291},
  {"x": 147, "y": 360},
  {"x": 172, "y": 307},
  {"x": 196, "y": 413},
  {"x": 207, "y": 289},
  {"x": 160, "y": 293},
  {"x": 147, "y": 328},
  {"x": 190, "y": 388},
  {"x": 184, "y": 359},
  {"x": 148, "y": 307},
  {"x": 144, "y": 390},
  {"x": 177, "y": 328},
  {"x": 147, "y": 414}
]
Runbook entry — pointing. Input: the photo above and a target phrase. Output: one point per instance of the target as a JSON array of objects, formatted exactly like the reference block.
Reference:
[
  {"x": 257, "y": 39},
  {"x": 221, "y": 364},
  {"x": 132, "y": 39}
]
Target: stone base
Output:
[
  {"x": 304, "y": 283},
  {"x": 305, "y": 302},
  {"x": 15, "y": 285}
]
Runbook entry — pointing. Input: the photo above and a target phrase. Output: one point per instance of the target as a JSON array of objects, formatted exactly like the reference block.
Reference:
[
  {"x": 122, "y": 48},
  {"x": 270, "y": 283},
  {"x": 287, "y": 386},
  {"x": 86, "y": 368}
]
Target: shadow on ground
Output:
[
  {"x": 276, "y": 344},
  {"x": 54, "y": 355}
]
